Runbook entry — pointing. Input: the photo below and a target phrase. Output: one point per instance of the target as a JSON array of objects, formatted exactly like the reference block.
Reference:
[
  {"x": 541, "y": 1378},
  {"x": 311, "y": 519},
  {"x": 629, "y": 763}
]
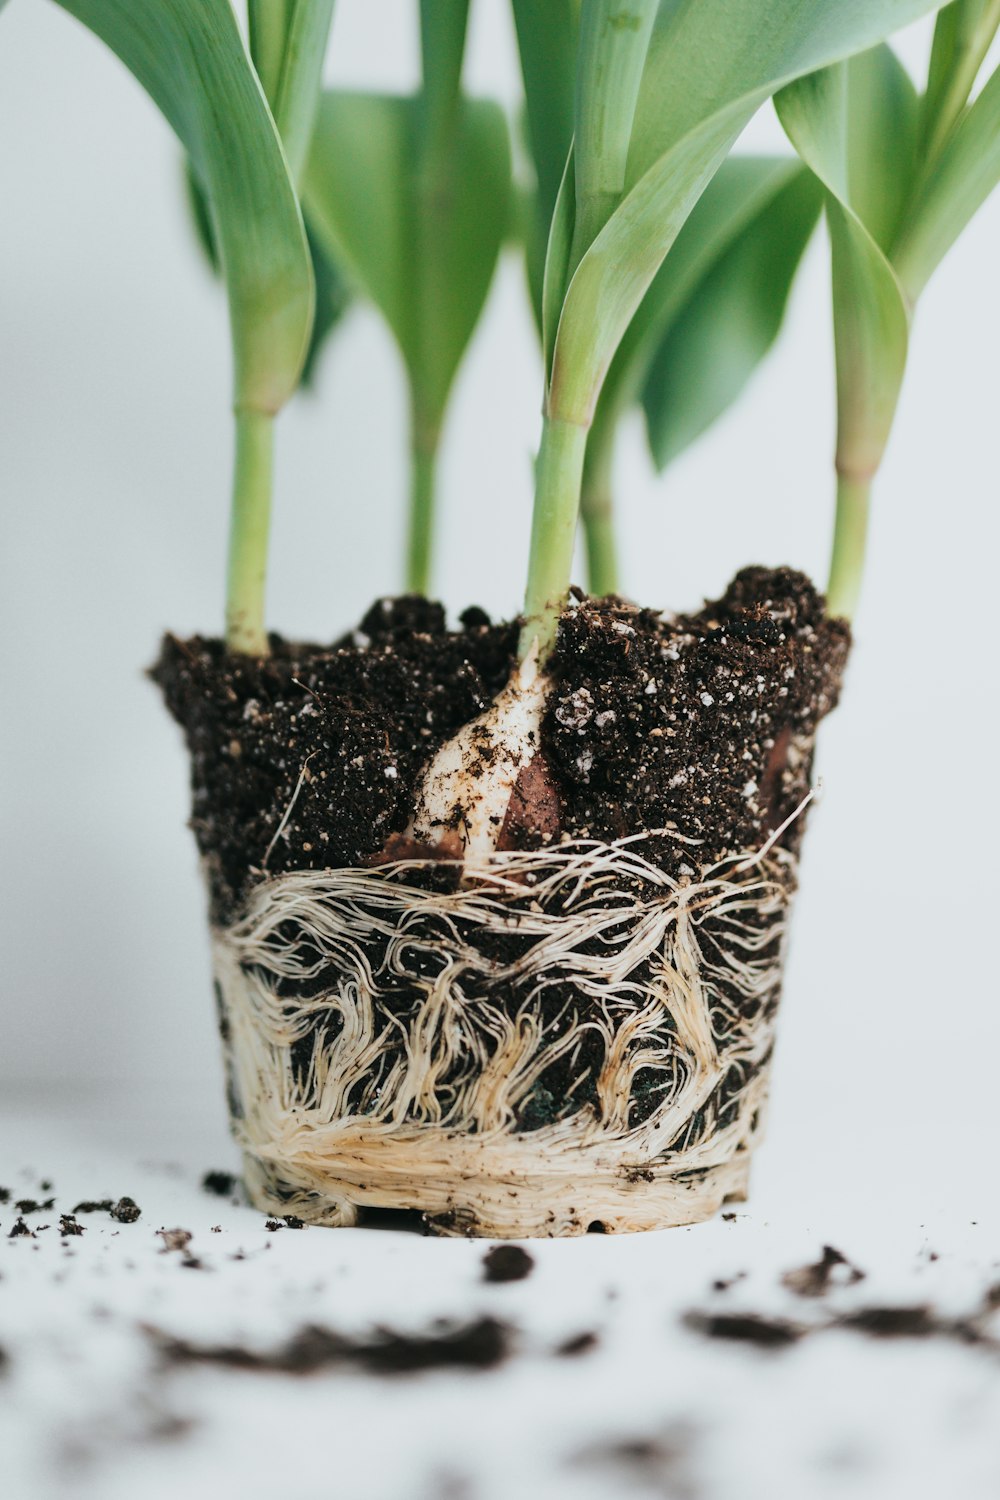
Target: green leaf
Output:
[
  {"x": 962, "y": 36},
  {"x": 189, "y": 57},
  {"x": 296, "y": 98},
  {"x": 333, "y": 298},
  {"x": 961, "y": 179},
  {"x": 711, "y": 64},
  {"x": 732, "y": 315},
  {"x": 546, "y": 39},
  {"x": 614, "y": 38},
  {"x": 443, "y": 26},
  {"x": 361, "y": 189},
  {"x": 837, "y": 120}
]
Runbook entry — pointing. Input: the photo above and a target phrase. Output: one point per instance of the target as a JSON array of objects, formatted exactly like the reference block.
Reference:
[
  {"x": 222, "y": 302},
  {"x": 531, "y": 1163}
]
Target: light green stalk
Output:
[
  {"x": 248, "y": 536},
  {"x": 553, "y": 532},
  {"x": 597, "y": 511},
  {"x": 849, "y": 539},
  {"x": 296, "y": 98},
  {"x": 423, "y": 483}
]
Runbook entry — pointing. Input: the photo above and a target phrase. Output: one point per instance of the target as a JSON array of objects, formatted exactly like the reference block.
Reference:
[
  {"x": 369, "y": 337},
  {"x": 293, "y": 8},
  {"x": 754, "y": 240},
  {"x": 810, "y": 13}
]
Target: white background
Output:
[{"x": 114, "y": 462}]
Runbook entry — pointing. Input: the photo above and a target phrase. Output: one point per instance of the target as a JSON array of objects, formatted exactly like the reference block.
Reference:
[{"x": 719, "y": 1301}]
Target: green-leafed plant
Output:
[
  {"x": 408, "y": 200},
  {"x": 659, "y": 125},
  {"x": 902, "y": 175},
  {"x": 713, "y": 310},
  {"x": 412, "y": 197}
]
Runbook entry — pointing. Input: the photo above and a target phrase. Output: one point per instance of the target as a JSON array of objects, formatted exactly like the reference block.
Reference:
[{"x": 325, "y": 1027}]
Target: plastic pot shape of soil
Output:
[{"x": 498, "y": 911}]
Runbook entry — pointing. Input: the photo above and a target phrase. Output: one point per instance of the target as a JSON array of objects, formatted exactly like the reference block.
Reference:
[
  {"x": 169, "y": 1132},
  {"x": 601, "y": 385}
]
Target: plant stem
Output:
[
  {"x": 849, "y": 537},
  {"x": 597, "y": 512},
  {"x": 423, "y": 478},
  {"x": 249, "y": 526},
  {"x": 553, "y": 532}
]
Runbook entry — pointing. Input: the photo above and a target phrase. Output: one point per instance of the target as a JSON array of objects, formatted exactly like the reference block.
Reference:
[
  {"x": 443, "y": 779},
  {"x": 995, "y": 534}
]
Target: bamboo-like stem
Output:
[
  {"x": 553, "y": 533},
  {"x": 597, "y": 513},
  {"x": 249, "y": 528},
  {"x": 849, "y": 538},
  {"x": 423, "y": 485},
  {"x": 296, "y": 98}
]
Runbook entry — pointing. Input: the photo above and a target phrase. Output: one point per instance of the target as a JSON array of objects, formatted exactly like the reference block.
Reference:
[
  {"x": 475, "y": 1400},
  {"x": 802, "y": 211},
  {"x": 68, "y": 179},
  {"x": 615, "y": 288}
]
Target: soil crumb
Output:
[
  {"x": 32, "y": 1206},
  {"x": 578, "y": 1343},
  {"x": 745, "y": 1328},
  {"x": 312, "y": 757},
  {"x": 126, "y": 1211},
  {"x": 68, "y": 1226},
  {"x": 480, "y": 1345},
  {"x": 833, "y": 1269},
  {"x": 507, "y": 1263},
  {"x": 220, "y": 1184},
  {"x": 20, "y": 1228},
  {"x": 95, "y": 1206},
  {"x": 174, "y": 1239}
]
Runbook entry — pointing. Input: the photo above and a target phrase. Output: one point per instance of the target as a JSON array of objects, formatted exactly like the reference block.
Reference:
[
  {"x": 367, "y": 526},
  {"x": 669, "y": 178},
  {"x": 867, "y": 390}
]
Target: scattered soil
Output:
[
  {"x": 579, "y": 1343},
  {"x": 31, "y": 1206},
  {"x": 4, "y": 1195},
  {"x": 480, "y": 1345},
  {"x": 95, "y": 1206},
  {"x": 68, "y": 1225},
  {"x": 174, "y": 1239},
  {"x": 507, "y": 1263},
  {"x": 20, "y": 1228},
  {"x": 915, "y": 1322},
  {"x": 833, "y": 1269},
  {"x": 746, "y": 1328},
  {"x": 311, "y": 758},
  {"x": 220, "y": 1184},
  {"x": 126, "y": 1211}
]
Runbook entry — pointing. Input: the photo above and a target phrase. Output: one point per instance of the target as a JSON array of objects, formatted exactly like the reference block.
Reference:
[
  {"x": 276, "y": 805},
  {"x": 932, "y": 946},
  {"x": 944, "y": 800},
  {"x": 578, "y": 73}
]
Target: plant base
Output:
[{"x": 498, "y": 1189}]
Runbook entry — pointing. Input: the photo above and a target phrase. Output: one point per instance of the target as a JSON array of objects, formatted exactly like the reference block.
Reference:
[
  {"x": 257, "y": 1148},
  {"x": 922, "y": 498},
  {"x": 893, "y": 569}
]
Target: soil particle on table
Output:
[
  {"x": 20, "y": 1228},
  {"x": 126, "y": 1211},
  {"x": 746, "y": 1328},
  {"x": 4, "y": 1195},
  {"x": 68, "y": 1226},
  {"x": 174, "y": 1239},
  {"x": 220, "y": 1184},
  {"x": 95, "y": 1206},
  {"x": 32, "y": 1206},
  {"x": 833, "y": 1269},
  {"x": 311, "y": 758},
  {"x": 480, "y": 1345},
  {"x": 507, "y": 1263},
  {"x": 577, "y": 1344}
]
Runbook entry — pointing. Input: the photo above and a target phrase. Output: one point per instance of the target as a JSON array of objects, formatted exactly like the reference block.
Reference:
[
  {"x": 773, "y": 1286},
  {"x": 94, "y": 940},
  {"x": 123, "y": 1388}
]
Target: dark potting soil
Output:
[
  {"x": 507, "y": 1263},
  {"x": 311, "y": 758},
  {"x": 700, "y": 725},
  {"x": 480, "y": 1345},
  {"x": 220, "y": 1184},
  {"x": 833, "y": 1269}
]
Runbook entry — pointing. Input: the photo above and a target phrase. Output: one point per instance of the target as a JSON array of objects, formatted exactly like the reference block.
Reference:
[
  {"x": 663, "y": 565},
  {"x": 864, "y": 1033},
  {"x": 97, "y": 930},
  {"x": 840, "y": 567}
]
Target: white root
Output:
[
  {"x": 381, "y": 1054},
  {"x": 467, "y": 787}
]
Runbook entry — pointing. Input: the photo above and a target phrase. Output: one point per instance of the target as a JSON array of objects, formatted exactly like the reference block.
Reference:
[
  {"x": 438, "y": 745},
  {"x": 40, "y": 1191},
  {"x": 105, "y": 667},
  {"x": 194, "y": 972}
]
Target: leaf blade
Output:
[{"x": 189, "y": 57}]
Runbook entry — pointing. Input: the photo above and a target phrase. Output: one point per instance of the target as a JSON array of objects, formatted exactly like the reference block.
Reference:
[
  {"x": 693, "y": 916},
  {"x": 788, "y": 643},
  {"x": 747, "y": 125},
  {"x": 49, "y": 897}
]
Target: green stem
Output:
[
  {"x": 597, "y": 514},
  {"x": 423, "y": 483},
  {"x": 553, "y": 532},
  {"x": 251, "y": 516},
  {"x": 849, "y": 537}
]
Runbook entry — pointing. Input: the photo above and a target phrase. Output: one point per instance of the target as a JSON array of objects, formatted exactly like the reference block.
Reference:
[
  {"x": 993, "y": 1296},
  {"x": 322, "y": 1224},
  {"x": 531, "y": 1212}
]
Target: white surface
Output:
[
  {"x": 114, "y": 451},
  {"x": 84, "y": 1412}
]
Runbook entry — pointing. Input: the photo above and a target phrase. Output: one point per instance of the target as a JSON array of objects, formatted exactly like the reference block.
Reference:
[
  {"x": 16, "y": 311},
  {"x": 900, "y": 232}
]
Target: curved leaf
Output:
[
  {"x": 189, "y": 57},
  {"x": 361, "y": 189},
  {"x": 855, "y": 126},
  {"x": 688, "y": 116},
  {"x": 962, "y": 178},
  {"x": 962, "y": 36},
  {"x": 732, "y": 316}
]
